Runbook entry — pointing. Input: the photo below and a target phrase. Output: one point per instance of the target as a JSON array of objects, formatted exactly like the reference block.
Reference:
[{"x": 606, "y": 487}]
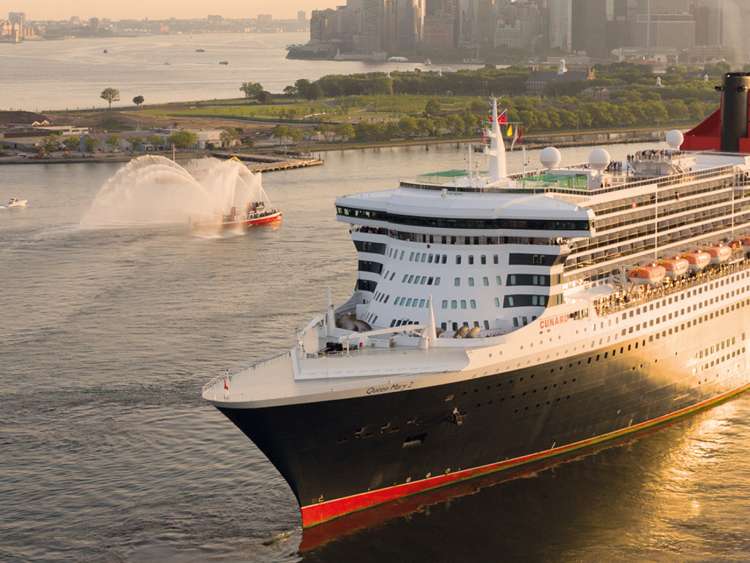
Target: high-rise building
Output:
[
  {"x": 561, "y": 25},
  {"x": 589, "y": 27},
  {"x": 440, "y": 24},
  {"x": 519, "y": 26},
  {"x": 408, "y": 25},
  {"x": 17, "y": 18},
  {"x": 372, "y": 17},
  {"x": 664, "y": 24}
]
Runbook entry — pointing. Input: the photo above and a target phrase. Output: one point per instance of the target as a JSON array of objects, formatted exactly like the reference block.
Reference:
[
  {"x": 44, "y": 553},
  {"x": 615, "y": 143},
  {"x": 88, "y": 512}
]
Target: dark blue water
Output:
[{"x": 107, "y": 452}]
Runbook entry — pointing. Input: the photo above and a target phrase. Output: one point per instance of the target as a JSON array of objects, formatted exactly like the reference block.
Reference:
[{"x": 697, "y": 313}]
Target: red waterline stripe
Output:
[{"x": 315, "y": 514}]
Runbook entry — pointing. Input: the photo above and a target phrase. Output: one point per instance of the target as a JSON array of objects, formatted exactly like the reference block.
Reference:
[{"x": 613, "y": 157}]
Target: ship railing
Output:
[
  {"x": 228, "y": 376},
  {"x": 533, "y": 187},
  {"x": 624, "y": 300}
]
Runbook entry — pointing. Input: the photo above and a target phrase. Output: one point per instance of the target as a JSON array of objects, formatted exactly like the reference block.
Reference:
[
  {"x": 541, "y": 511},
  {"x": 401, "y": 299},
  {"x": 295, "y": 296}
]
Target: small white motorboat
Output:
[{"x": 15, "y": 203}]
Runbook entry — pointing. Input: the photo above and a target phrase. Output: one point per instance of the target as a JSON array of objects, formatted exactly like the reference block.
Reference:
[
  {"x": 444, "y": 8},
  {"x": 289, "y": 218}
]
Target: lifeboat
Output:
[
  {"x": 719, "y": 254},
  {"x": 675, "y": 267},
  {"x": 652, "y": 274},
  {"x": 698, "y": 260}
]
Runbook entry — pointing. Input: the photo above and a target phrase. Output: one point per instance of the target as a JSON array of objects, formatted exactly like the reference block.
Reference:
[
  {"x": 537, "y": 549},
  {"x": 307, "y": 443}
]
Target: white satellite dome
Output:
[
  {"x": 675, "y": 138},
  {"x": 599, "y": 159},
  {"x": 550, "y": 158}
]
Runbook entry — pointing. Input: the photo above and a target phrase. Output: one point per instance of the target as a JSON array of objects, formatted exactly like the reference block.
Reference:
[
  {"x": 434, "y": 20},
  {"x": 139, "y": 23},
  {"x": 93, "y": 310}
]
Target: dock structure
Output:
[{"x": 270, "y": 163}]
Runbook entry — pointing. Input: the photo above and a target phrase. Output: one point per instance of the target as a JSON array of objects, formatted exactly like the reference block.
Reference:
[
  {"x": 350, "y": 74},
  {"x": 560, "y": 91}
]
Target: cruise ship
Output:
[{"x": 500, "y": 319}]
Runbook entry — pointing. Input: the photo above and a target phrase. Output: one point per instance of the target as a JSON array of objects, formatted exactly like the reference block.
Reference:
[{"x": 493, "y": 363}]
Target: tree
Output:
[
  {"x": 138, "y": 101},
  {"x": 110, "y": 95},
  {"x": 345, "y": 131},
  {"x": 183, "y": 139},
  {"x": 228, "y": 137},
  {"x": 432, "y": 108},
  {"x": 308, "y": 90},
  {"x": 264, "y": 97},
  {"x": 72, "y": 143},
  {"x": 135, "y": 142},
  {"x": 113, "y": 142},
  {"x": 154, "y": 140},
  {"x": 252, "y": 90},
  {"x": 89, "y": 144},
  {"x": 50, "y": 144},
  {"x": 290, "y": 92}
]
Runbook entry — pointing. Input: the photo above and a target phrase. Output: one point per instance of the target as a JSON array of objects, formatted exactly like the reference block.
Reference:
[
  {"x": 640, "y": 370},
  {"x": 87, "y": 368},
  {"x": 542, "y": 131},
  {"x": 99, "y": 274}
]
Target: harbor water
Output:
[
  {"x": 108, "y": 453},
  {"x": 70, "y": 74}
]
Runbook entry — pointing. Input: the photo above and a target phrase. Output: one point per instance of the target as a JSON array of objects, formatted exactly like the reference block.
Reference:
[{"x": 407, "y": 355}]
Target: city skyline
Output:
[{"x": 139, "y": 9}]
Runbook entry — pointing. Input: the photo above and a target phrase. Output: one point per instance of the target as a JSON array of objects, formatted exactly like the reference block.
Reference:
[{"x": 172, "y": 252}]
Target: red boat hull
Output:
[{"x": 240, "y": 223}]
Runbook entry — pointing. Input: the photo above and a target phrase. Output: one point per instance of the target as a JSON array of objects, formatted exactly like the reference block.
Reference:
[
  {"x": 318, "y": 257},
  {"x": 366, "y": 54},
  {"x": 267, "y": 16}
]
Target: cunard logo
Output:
[{"x": 553, "y": 321}]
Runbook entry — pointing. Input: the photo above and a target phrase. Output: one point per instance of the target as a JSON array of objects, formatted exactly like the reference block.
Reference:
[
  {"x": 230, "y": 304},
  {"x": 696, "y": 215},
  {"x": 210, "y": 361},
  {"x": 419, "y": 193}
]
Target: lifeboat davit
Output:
[
  {"x": 675, "y": 267},
  {"x": 719, "y": 254},
  {"x": 652, "y": 274},
  {"x": 698, "y": 260}
]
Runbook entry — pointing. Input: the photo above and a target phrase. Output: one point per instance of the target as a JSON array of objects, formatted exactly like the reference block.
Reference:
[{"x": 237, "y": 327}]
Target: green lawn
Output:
[{"x": 348, "y": 108}]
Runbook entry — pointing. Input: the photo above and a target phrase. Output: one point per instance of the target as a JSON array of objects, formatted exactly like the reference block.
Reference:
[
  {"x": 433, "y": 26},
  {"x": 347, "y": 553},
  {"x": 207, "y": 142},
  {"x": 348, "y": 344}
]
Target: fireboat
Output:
[{"x": 256, "y": 214}]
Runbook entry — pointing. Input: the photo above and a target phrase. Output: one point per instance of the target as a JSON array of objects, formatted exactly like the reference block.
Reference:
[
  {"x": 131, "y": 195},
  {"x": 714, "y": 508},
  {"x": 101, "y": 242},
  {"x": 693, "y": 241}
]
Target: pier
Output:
[{"x": 270, "y": 163}]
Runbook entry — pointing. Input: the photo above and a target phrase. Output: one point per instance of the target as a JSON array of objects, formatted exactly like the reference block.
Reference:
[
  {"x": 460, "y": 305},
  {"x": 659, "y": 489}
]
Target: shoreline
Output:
[{"x": 292, "y": 157}]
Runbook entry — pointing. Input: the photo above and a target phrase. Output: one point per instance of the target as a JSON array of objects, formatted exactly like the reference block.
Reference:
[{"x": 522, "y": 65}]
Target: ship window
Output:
[
  {"x": 445, "y": 303},
  {"x": 471, "y": 282},
  {"x": 410, "y": 279},
  {"x": 437, "y": 280},
  {"x": 471, "y": 259},
  {"x": 429, "y": 259},
  {"x": 444, "y": 259},
  {"x": 496, "y": 259},
  {"x": 515, "y": 322},
  {"x": 497, "y": 302},
  {"x": 411, "y": 257},
  {"x": 457, "y": 282},
  {"x": 424, "y": 257},
  {"x": 484, "y": 259},
  {"x": 487, "y": 327},
  {"x": 421, "y": 303},
  {"x": 458, "y": 259},
  {"x": 486, "y": 281},
  {"x": 463, "y": 303},
  {"x": 430, "y": 280},
  {"x": 454, "y": 304},
  {"x": 408, "y": 302},
  {"x": 499, "y": 280},
  {"x": 423, "y": 280},
  {"x": 473, "y": 304}
]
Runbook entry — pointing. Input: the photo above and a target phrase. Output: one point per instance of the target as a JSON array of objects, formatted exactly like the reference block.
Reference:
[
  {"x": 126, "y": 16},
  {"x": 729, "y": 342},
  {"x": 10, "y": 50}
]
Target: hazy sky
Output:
[{"x": 63, "y": 9}]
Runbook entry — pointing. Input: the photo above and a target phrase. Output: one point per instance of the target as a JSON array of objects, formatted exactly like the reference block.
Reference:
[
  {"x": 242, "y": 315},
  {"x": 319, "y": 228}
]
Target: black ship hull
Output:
[{"x": 346, "y": 455}]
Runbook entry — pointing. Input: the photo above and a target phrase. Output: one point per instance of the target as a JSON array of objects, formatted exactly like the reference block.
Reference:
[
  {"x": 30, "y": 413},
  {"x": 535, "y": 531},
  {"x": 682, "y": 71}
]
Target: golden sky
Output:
[{"x": 63, "y": 9}]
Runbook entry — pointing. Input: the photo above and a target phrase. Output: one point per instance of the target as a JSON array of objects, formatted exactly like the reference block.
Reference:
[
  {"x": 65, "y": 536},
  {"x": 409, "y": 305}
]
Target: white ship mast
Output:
[{"x": 496, "y": 152}]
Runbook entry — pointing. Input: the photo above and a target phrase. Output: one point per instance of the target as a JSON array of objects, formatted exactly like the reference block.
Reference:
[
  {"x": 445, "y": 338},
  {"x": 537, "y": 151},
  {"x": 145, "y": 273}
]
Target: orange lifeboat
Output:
[
  {"x": 698, "y": 260},
  {"x": 675, "y": 267},
  {"x": 719, "y": 254},
  {"x": 652, "y": 274}
]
